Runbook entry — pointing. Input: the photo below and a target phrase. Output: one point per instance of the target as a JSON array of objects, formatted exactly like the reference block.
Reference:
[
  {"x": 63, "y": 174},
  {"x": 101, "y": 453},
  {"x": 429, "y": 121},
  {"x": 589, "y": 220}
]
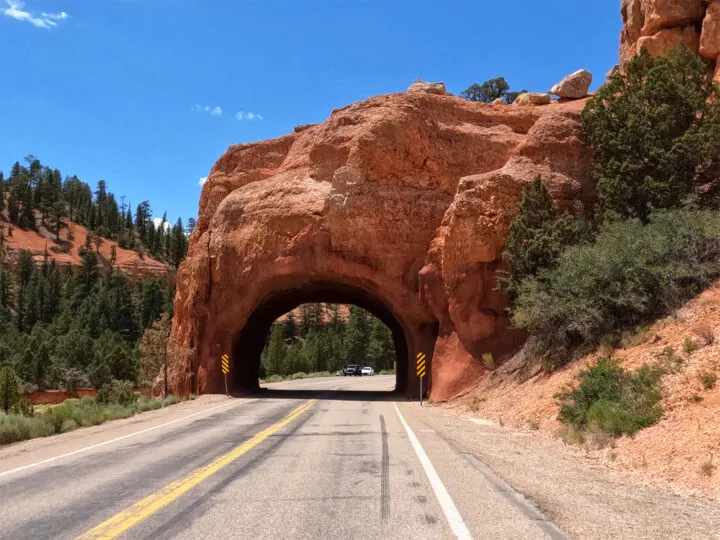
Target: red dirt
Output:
[
  {"x": 673, "y": 452},
  {"x": 38, "y": 243}
]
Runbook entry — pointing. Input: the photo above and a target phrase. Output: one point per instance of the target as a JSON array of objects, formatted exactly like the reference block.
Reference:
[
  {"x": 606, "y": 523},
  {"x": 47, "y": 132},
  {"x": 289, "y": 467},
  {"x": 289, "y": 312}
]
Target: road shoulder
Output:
[{"x": 583, "y": 500}]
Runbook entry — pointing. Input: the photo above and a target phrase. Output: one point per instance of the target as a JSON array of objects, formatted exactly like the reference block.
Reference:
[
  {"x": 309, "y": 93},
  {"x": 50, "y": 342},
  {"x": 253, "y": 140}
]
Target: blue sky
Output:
[{"x": 146, "y": 93}]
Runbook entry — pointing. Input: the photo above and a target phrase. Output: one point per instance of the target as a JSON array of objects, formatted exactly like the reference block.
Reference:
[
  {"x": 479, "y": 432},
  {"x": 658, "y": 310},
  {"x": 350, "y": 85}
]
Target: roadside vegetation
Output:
[
  {"x": 65, "y": 328},
  {"x": 21, "y": 421},
  {"x": 588, "y": 278},
  {"x": 322, "y": 342}
]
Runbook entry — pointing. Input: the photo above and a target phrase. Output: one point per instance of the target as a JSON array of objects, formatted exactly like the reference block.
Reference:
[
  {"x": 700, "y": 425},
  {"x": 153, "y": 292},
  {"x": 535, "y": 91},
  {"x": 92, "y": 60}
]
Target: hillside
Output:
[
  {"x": 674, "y": 452},
  {"x": 68, "y": 249}
]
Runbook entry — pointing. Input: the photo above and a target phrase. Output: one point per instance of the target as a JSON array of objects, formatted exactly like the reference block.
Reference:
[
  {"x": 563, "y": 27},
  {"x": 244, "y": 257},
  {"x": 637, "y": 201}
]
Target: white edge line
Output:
[
  {"x": 453, "y": 517},
  {"x": 104, "y": 443}
]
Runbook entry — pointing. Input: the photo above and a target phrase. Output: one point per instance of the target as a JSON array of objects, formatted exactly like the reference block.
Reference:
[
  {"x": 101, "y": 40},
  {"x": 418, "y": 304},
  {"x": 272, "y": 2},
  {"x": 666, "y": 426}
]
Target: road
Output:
[{"x": 314, "y": 458}]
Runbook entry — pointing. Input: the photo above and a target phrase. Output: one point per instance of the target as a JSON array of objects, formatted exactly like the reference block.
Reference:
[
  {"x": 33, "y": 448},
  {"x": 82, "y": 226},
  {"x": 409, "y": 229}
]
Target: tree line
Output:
[
  {"x": 64, "y": 327},
  {"x": 35, "y": 196},
  {"x": 322, "y": 340}
]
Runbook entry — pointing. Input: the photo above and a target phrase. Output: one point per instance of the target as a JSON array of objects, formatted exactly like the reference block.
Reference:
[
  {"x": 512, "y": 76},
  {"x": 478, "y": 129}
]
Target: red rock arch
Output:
[{"x": 400, "y": 203}]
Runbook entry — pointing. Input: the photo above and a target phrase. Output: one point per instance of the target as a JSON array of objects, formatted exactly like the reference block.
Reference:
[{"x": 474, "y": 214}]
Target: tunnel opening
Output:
[{"x": 252, "y": 339}]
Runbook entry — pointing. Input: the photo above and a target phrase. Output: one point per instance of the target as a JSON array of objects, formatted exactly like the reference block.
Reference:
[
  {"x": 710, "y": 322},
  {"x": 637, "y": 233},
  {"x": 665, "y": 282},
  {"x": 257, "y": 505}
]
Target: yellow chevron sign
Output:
[
  {"x": 420, "y": 365},
  {"x": 225, "y": 364}
]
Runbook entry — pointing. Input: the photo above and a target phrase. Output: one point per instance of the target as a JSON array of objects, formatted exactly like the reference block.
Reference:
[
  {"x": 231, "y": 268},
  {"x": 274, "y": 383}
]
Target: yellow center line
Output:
[{"x": 118, "y": 524}]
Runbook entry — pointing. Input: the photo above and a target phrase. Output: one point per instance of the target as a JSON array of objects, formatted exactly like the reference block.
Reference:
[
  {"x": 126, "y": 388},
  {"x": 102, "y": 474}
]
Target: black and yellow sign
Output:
[
  {"x": 225, "y": 364},
  {"x": 420, "y": 365}
]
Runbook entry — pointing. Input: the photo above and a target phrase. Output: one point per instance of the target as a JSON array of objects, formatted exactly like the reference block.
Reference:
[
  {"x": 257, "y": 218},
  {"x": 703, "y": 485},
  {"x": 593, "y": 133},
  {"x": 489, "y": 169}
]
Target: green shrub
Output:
[
  {"x": 612, "y": 400},
  {"x": 690, "y": 346},
  {"x": 708, "y": 380},
  {"x": 274, "y": 378},
  {"x": 488, "y": 361},
  {"x": 299, "y": 375},
  {"x": 631, "y": 274},
  {"x": 117, "y": 392},
  {"x": 387, "y": 372}
]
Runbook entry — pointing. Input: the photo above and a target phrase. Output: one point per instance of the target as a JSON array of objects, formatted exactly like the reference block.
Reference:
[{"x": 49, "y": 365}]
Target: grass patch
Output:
[
  {"x": 611, "y": 400},
  {"x": 387, "y": 372},
  {"x": 72, "y": 414}
]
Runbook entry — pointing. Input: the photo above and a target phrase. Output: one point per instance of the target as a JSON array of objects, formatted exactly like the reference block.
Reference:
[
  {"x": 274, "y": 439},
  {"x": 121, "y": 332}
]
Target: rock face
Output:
[
  {"x": 399, "y": 204},
  {"x": 532, "y": 98},
  {"x": 660, "y": 24},
  {"x": 428, "y": 87},
  {"x": 574, "y": 86}
]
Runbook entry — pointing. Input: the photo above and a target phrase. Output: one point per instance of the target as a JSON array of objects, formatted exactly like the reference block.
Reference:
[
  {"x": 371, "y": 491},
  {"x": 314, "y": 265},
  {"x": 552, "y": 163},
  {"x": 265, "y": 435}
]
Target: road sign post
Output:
[
  {"x": 420, "y": 370},
  {"x": 225, "y": 366}
]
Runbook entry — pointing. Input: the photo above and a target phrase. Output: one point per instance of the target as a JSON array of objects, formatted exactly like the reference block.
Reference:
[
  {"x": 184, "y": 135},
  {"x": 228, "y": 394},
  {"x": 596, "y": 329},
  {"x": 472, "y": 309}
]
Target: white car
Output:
[{"x": 367, "y": 371}]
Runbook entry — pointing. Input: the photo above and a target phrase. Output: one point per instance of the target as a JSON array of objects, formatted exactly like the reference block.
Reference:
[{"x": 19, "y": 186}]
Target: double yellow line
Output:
[{"x": 118, "y": 524}]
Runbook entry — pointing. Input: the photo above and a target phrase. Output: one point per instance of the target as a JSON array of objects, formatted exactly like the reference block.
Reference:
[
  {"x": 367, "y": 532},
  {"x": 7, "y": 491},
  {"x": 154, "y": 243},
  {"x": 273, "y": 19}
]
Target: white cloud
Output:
[
  {"x": 212, "y": 111},
  {"x": 248, "y": 116},
  {"x": 203, "y": 180},
  {"x": 45, "y": 20},
  {"x": 157, "y": 221}
]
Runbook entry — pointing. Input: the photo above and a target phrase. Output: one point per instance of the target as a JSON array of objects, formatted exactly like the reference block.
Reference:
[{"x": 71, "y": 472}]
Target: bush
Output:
[
  {"x": 117, "y": 392},
  {"x": 611, "y": 400},
  {"x": 631, "y": 274},
  {"x": 690, "y": 346},
  {"x": 274, "y": 378},
  {"x": 708, "y": 380}
]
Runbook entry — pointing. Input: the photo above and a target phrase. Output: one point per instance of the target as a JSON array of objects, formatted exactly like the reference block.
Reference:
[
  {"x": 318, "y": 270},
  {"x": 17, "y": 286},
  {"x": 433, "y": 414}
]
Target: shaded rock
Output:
[
  {"x": 532, "y": 98},
  {"x": 428, "y": 87},
  {"x": 499, "y": 101},
  {"x": 574, "y": 86}
]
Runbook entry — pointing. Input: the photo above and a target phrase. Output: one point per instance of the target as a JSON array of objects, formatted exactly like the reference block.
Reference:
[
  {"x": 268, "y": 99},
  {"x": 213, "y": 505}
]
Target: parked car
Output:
[
  {"x": 352, "y": 369},
  {"x": 367, "y": 370}
]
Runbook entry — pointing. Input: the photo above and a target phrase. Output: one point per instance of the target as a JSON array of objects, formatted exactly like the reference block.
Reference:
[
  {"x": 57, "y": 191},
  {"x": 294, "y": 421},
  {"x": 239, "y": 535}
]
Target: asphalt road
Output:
[{"x": 314, "y": 458}]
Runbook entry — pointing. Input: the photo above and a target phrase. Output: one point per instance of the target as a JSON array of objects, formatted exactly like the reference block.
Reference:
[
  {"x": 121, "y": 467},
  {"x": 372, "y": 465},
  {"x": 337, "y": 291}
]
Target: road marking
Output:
[
  {"x": 453, "y": 517},
  {"x": 120, "y": 523},
  {"x": 105, "y": 443}
]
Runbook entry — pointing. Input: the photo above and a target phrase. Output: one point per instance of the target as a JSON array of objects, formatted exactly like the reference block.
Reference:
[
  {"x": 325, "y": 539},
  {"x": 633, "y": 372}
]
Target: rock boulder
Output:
[
  {"x": 574, "y": 86},
  {"x": 532, "y": 98},
  {"x": 428, "y": 87}
]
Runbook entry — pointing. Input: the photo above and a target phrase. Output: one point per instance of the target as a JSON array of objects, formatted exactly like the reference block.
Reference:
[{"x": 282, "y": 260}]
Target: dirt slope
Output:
[
  {"x": 671, "y": 453},
  {"x": 66, "y": 251}
]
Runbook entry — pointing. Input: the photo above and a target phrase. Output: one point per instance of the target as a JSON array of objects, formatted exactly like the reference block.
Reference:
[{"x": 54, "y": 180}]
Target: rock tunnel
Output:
[
  {"x": 251, "y": 338},
  {"x": 399, "y": 204}
]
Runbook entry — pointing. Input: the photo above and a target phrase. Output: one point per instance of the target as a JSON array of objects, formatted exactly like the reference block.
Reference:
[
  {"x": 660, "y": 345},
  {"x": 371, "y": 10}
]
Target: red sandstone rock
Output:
[
  {"x": 661, "y": 43},
  {"x": 369, "y": 208},
  {"x": 710, "y": 37},
  {"x": 660, "y": 24}
]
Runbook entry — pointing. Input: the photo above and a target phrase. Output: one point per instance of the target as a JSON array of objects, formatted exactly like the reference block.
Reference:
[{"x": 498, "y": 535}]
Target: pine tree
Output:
[
  {"x": 41, "y": 365},
  {"x": 356, "y": 335},
  {"x": 9, "y": 388},
  {"x": 289, "y": 328},
  {"x": 274, "y": 361},
  {"x": 538, "y": 235}
]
